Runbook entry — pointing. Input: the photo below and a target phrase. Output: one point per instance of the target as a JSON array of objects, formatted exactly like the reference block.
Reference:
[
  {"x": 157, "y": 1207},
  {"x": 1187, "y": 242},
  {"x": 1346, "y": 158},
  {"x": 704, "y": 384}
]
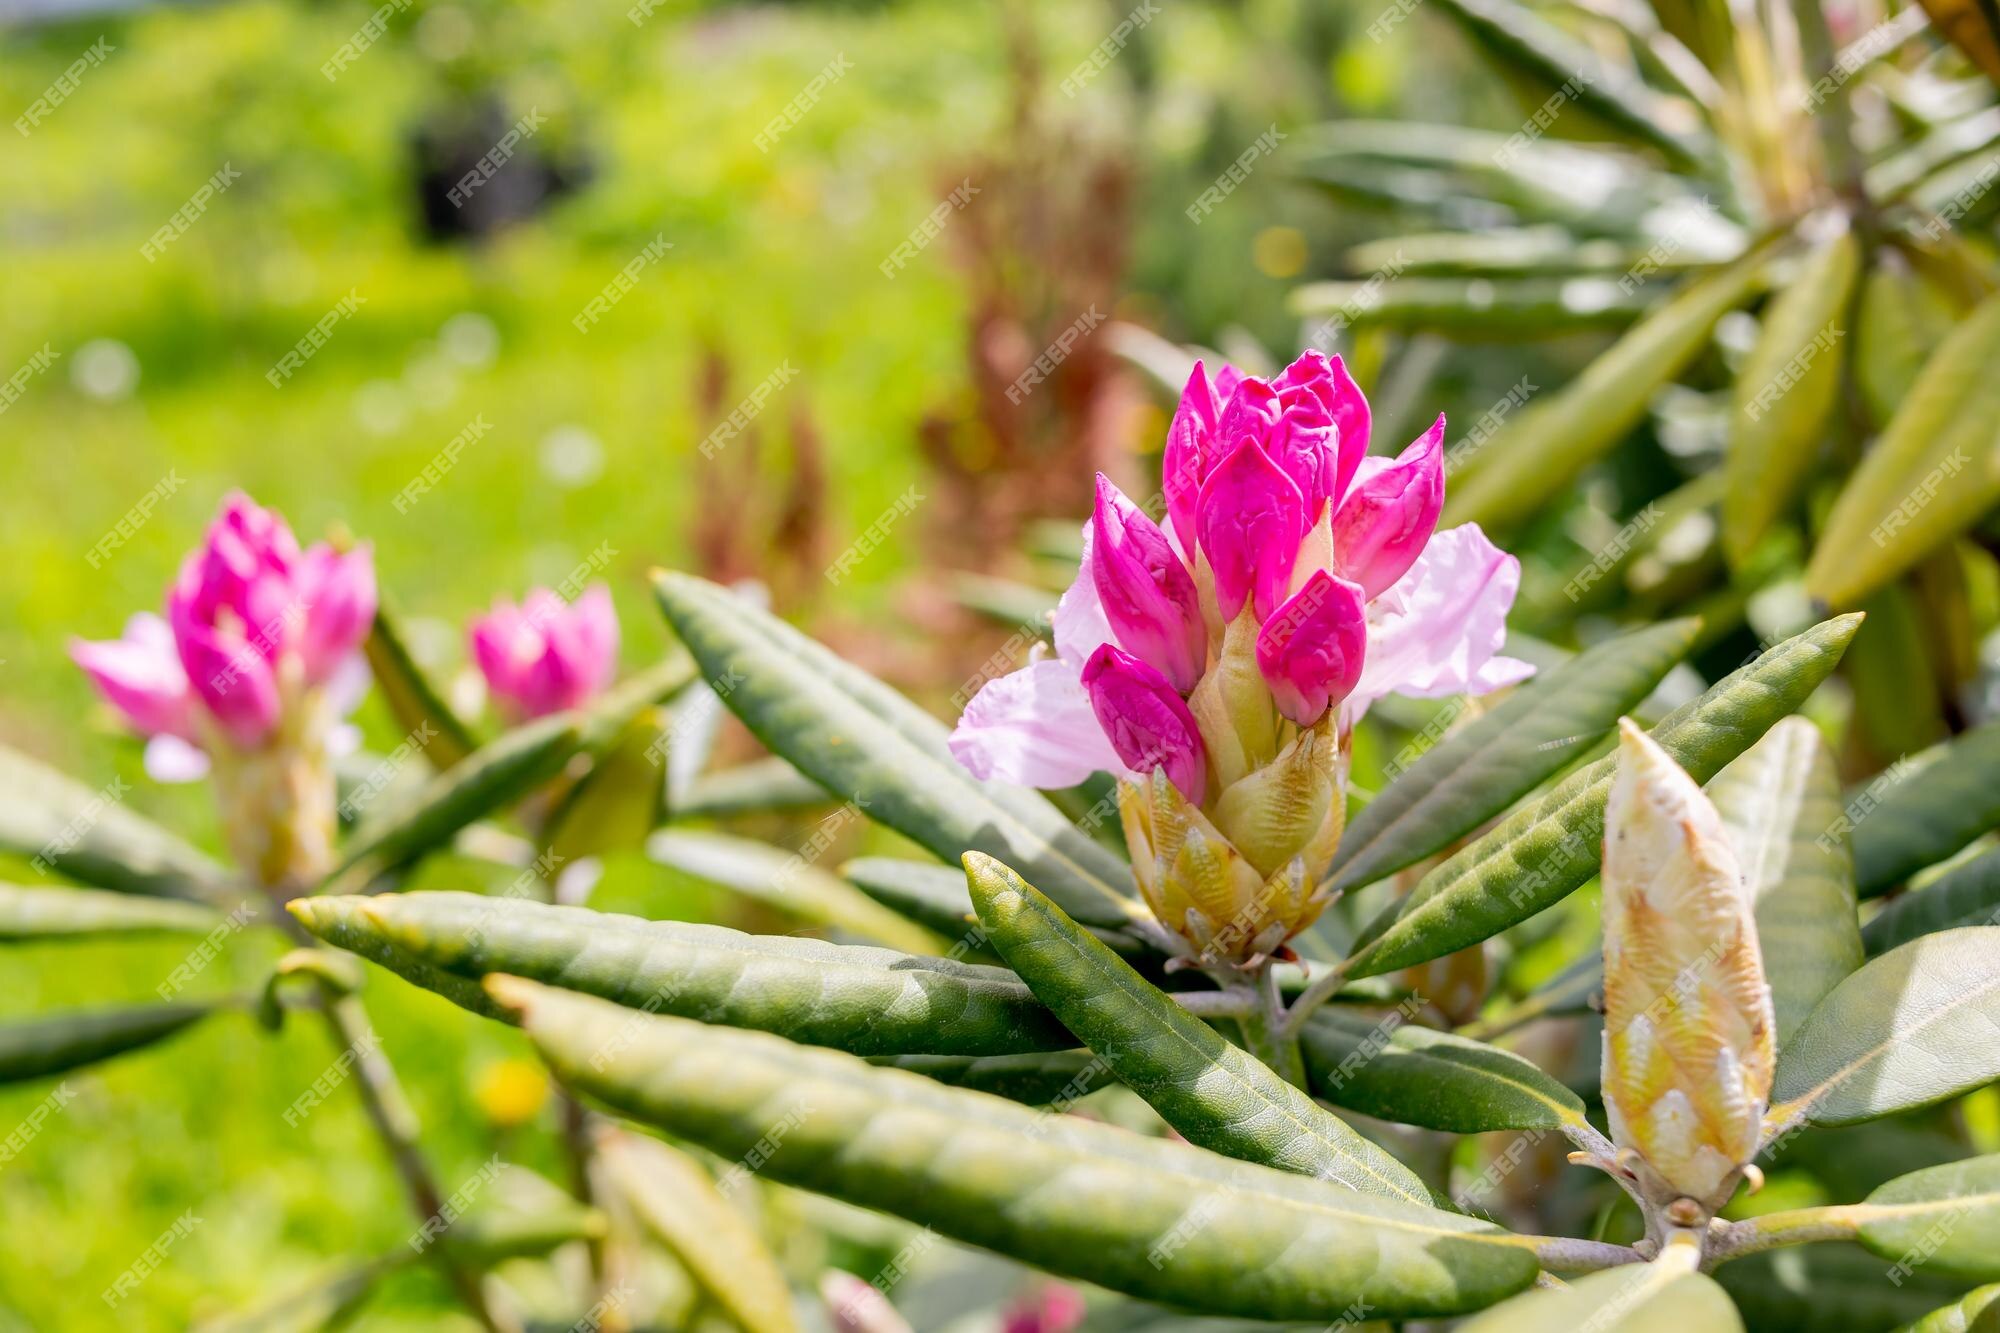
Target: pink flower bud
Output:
[
  {"x": 1311, "y": 651},
  {"x": 547, "y": 655},
  {"x": 241, "y": 578},
  {"x": 1329, "y": 384},
  {"x": 1148, "y": 723},
  {"x": 1386, "y": 520},
  {"x": 141, "y": 676},
  {"x": 230, "y": 675},
  {"x": 1252, "y": 518},
  {"x": 1149, "y": 597},
  {"x": 1054, "y": 1307},
  {"x": 336, "y": 592},
  {"x": 1190, "y": 453}
]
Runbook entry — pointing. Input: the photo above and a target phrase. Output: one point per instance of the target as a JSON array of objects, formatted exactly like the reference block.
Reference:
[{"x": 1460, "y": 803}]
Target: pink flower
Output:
[
  {"x": 1053, "y": 1307},
  {"x": 547, "y": 655},
  {"x": 251, "y": 621},
  {"x": 1327, "y": 560}
]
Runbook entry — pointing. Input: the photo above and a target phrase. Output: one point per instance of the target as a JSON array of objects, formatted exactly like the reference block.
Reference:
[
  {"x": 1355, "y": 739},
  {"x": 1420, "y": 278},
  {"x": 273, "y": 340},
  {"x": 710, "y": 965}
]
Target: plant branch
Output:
[
  {"x": 1797, "y": 1226},
  {"x": 1322, "y": 989},
  {"x": 1566, "y": 1254},
  {"x": 1216, "y": 1003},
  {"x": 1265, "y": 1031}
]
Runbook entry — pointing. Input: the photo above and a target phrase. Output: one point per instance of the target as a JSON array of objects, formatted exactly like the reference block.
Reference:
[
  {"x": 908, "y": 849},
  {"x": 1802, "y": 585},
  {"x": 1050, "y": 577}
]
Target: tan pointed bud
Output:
[
  {"x": 1688, "y": 1046},
  {"x": 1232, "y": 706},
  {"x": 1288, "y": 807}
]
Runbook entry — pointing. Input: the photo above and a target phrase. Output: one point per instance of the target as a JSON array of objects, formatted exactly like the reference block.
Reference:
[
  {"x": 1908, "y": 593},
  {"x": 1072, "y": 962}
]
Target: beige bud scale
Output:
[{"x": 1688, "y": 1026}]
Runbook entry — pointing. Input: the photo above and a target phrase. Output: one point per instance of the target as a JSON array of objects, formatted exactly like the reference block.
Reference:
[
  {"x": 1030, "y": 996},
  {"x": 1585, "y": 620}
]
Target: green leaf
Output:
[
  {"x": 1781, "y": 804},
  {"x": 1470, "y": 309},
  {"x": 1784, "y": 394},
  {"x": 865, "y": 1000},
  {"x": 1145, "y": 1216},
  {"x": 1661, "y": 1297},
  {"x": 1038, "y": 1079},
  {"x": 932, "y": 894},
  {"x": 33, "y": 914},
  {"x": 863, "y": 741},
  {"x": 92, "y": 837},
  {"x": 619, "y": 801},
  {"x": 1545, "y": 447},
  {"x": 1558, "y": 63},
  {"x": 495, "y": 776},
  {"x": 1967, "y": 895},
  {"x": 324, "y": 1303},
  {"x": 758, "y": 787},
  {"x": 55, "y": 1044},
  {"x": 418, "y": 706},
  {"x": 1549, "y": 848},
  {"x": 1933, "y": 472},
  {"x": 1902, "y": 319},
  {"x": 714, "y": 1241},
  {"x": 1481, "y": 769},
  {"x": 522, "y": 1215},
  {"x": 1903, "y": 824},
  {"x": 1943, "y": 1219},
  {"x": 1834, "y": 1288},
  {"x": 1911, "y": 1028},
  {"x": 1214, "y": 1094},
  {"x": 790, "y": 882},
  {"x": 1962, "y": 1315},
  {"x": 1383, "y": 1066}
]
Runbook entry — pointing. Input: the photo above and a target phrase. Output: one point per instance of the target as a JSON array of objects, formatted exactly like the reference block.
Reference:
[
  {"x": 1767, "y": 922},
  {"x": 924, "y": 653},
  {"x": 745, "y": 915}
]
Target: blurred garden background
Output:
[{"x": 768, "y": 380}]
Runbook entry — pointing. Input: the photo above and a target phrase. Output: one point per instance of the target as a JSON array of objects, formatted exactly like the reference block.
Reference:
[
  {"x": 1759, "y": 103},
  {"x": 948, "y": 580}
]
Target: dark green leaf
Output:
[
  {"x": 37, "y": 1047},
  {"x": 1967, "y": 895},
  {"x": 758, "y": 787},
  {"x": 1384, "y": 1066},
  {"x": 1039, "y": 1079},
  {"x": 1901, "y": 826},
  {"x": 418, "y": 706}
]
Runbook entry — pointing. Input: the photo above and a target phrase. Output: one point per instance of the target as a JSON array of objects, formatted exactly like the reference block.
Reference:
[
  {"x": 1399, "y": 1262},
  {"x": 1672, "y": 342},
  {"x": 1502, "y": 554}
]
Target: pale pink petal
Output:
[
  {"x": 1034, "y": 728},
  {"x": 170, "y": 759},
  {"x": 1437, "y": 632},
  {"x": 1079, "y": 622}
]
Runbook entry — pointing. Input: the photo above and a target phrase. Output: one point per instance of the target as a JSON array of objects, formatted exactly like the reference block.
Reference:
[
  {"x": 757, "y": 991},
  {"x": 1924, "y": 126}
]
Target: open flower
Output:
[
  {"x": 1217, "y": 665},
  {"x": 246, "y": 676},
  {"x": 547, "y": 655}
]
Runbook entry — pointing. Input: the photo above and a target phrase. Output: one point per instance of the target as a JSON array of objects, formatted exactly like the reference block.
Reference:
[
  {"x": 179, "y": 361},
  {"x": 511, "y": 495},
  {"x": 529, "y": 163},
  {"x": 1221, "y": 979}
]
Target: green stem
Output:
[
  {"x": 1316, "y": 994},
  {"x": 1566, "y": 1254},
  {"x": 1265, "y": 1032},
  {"x": 1796, "y": 1226}
]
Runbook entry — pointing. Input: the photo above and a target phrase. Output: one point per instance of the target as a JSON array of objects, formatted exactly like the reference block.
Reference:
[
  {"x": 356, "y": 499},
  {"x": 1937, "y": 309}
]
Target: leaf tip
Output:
[{"x": 514, "y": 994}]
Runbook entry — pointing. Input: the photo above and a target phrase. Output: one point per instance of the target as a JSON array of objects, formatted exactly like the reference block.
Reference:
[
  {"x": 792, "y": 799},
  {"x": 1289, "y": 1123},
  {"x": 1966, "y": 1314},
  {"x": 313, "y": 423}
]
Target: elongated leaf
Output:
[
  {"x": 1549, "y": 848},
  {"x": 1929, "y": 816},
  {"x": 932, "y": 894},
  {"x": 92, "y": 837},
  {"x": 1902, "y": 319},
  {"x": 1144, "y": 1216},
  {"x": 619, "y": 801},
  {"x": 1661, "y": 1297},
  {"x": 1943, "y": 1219},
  {"x": 1836, "y": 1288},
  {"x": 1781, "y": 804},
  {"x": 1933, "y": 472},
  {"x": 37, "y": 1047},
  {"x": 1560, "y": 64},
  {"x": 869, "y": 1001},
  {"x": 1040, "y": 1079},
  {"x": 1216, "y": 1095},
  {"x": 758, "y": 787},
  {"x": 1481, "y": 769},
  {"x": 790, "y": 882},
  {"x": 861, "y": 740},
  {"x": 418, "y": 706},
  {"x": 1911, "y": 1028},
  {"x": 1962, "y": 1315},
  {"x": 31, "y": 914},
  {"x": 1470, "y": 309},
  {"x": 1968, "y": 895},
  {"x": 1546, "y": 446},
  {"x": 1391, "y": 1069},
  {"x": 319, "y": 1305},
  {"x": 716, "y": 1244},
  {"x": 495, "y": 776},
  {"x": 1785, "y": 393}
]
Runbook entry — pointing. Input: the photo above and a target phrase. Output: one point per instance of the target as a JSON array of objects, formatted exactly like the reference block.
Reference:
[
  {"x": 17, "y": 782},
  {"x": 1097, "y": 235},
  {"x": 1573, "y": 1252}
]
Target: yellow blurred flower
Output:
[{"x": 511, "y": 1092}]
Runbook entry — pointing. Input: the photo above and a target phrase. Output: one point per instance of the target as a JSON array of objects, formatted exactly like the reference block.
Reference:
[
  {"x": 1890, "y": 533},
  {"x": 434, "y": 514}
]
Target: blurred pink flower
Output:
[
  {"x": 547, "y": 655},
  {"x": 1053, "y": 1307},
  {"x": 252, "y": 623}
]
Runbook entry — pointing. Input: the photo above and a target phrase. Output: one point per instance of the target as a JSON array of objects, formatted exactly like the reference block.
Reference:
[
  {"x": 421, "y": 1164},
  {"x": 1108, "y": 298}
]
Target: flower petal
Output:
[
  {"x": 1079, "y": 623},
  {"x": 1252, "y": 519},
  {"x": 336, "y": 591},
  {"x": 233, "y": 680},
  {"x": 1311, "y": 651},
  {"x": 141, "y": 676},
  {"x": 1352, "y": 418},
  {"x": 169, "y": 759},
  {"x": 1437, "y": 632},
  {"x": 1148, "y": 595},
  {"x": 1034, "y": 727},
  {"x": 1146, "y": 719},
  {"x": 1390, "y": 513},
  {"x": 1190, "y": 453}
]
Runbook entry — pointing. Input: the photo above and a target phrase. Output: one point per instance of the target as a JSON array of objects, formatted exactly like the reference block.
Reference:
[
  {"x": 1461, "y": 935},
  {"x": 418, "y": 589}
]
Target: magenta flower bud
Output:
[
  {"x": 230, "y": 675},
  {"x": 1252, "y": 518},
  {"x": 1190, "y": 453},
  {"x": 244, "y": 573},
  {"x": 1303, "y": 444},
  {"x": 141, "y": 676},
  {"x": 1252, "y": 410},
  {"x": 336, "y": 594},
  {"x": 1311, "y": 652},
  {"x": 547, "y": 655},
  {"x": 1327, "y": 381},
  {"x": 1386, "y": 520},
  {"x": 1146, "y": 720},
  {"x": 1055, "y": 1307},
  {"x": 1149, "y": 597}
]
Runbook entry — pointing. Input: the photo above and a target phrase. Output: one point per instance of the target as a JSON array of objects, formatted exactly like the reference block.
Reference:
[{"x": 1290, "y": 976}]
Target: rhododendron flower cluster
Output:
[
  {"x": 547, "y": 655},
  {"x": 1217, "y": 665},
  {"x": 246, "y": 677}
]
